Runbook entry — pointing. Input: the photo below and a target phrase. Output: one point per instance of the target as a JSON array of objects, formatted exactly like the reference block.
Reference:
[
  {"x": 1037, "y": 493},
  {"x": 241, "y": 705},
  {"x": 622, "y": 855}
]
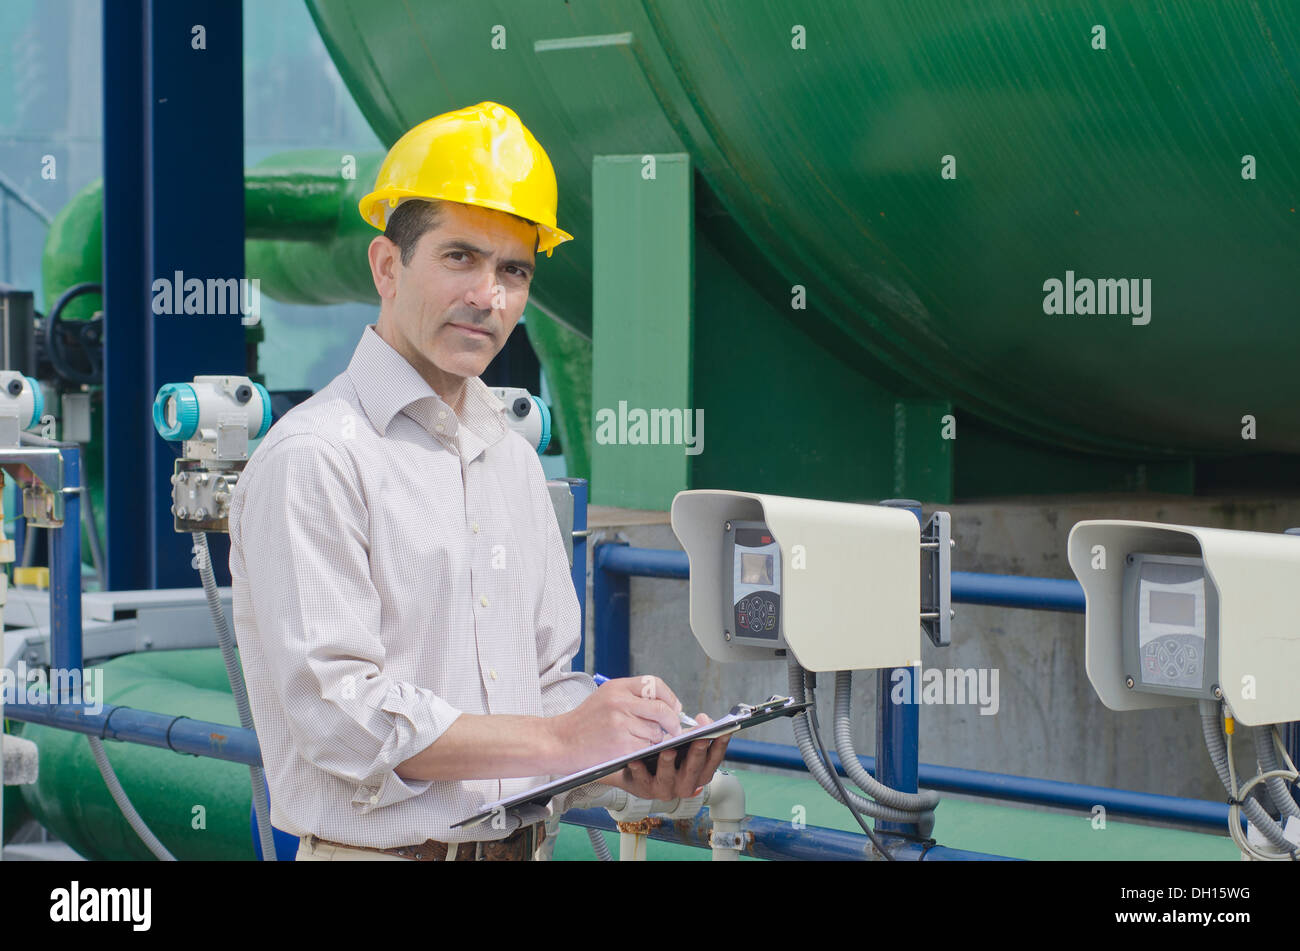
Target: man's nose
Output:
[{"x": 482, "y": 292}]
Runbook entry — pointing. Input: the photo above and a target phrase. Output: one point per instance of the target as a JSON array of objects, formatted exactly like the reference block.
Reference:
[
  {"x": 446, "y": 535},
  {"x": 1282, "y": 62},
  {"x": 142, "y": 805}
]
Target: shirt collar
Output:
[{"x": 387, "y": 384}]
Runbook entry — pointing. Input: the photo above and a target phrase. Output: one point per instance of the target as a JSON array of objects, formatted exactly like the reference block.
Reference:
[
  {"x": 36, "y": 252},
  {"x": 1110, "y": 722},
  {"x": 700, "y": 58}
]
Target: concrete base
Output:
[{"x": 1048, "y": 722}]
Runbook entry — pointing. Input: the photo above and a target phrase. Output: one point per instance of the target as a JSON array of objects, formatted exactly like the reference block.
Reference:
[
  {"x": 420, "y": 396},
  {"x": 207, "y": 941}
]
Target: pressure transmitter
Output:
[{"x": 214, "y": 417}]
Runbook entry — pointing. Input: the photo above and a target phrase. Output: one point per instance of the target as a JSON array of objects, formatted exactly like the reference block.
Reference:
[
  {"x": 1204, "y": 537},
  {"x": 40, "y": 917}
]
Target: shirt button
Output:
[
  {"x": 483, "y": 600},
  {"x": 474, "y": 528},
  {"x": 441, "y": 428},
  {"x": 374, "y": 800},
  {"x": 492, "y": 674},
  {"x": 442, "y": 414}
]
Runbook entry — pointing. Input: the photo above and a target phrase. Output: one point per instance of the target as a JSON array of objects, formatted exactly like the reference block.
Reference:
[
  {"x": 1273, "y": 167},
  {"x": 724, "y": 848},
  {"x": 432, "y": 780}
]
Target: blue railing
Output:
[{"x": 616, "y": 562}]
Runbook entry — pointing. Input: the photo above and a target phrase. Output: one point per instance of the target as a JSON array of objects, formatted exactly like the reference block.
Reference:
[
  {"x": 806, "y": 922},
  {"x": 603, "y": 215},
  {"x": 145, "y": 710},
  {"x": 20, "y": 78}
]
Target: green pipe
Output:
[{"x": 198, "y": 807}]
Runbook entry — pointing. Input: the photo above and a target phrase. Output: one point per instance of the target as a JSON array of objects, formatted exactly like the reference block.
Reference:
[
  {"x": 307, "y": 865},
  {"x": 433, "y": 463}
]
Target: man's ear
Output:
[{"x": 385, "y": 263}]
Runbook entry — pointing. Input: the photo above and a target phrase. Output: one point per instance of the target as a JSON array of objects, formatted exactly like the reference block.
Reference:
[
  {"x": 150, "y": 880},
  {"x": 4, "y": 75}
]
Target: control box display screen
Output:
[
  {"x": 1170, "y": 645},
  {"x": 754, "y": 571},
  {"x": 1175, "y": 609}
]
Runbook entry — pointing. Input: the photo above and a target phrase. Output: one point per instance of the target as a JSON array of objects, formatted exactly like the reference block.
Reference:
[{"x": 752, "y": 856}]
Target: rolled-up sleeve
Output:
[
  {"x": 304, "y": 535},
  {"x": 558, "y": 619}
]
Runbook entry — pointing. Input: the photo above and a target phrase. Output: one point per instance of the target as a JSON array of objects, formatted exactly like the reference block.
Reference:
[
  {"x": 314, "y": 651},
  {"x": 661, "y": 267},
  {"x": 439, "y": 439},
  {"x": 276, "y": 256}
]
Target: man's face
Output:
[{"x": 455, "y": 304}]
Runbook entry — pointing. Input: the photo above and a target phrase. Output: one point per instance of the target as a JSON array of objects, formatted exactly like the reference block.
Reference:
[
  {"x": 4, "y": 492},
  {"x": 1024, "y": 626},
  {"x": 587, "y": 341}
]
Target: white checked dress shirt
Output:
[{"x": 394, "y": 566}]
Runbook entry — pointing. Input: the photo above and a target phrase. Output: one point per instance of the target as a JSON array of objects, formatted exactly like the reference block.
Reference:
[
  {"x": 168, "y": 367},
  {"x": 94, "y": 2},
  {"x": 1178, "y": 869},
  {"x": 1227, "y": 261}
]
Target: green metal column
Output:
[
  {"x": 642, "y": 336},
  {"x": 924, "y": 433}
]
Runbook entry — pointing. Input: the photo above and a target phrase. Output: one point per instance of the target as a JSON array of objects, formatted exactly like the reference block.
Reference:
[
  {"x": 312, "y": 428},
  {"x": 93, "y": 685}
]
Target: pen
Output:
[{"x": 682, "y": 717}]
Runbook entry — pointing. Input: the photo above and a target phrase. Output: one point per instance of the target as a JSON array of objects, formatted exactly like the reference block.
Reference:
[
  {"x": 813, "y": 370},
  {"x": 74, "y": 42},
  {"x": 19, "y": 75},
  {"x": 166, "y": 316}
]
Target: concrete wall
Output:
[{"x": 1049, "y": 722}]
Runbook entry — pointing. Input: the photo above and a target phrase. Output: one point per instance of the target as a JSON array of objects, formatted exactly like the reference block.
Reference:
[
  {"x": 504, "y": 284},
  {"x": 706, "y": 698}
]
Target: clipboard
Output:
[{"x": 741, "y": 717}]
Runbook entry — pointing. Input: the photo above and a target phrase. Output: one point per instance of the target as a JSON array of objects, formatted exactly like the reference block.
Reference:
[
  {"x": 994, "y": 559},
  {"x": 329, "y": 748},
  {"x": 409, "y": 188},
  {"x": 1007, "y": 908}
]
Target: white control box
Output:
[
  {"x": 836, "y": 584},
  {"x": 1177, "y": 613}
]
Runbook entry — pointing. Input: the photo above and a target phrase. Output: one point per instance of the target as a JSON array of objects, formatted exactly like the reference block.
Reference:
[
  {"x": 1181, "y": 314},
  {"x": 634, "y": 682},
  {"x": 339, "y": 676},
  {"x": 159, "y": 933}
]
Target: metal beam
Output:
[{"x": 173, "y": 211}]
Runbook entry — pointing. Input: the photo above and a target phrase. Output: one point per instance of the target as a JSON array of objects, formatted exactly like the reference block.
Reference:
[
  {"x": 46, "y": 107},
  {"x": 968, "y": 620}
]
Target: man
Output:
[{"x": 402, "y": 597}]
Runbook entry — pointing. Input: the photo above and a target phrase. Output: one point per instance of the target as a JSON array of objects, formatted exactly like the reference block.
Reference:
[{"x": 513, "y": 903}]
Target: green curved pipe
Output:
[{"x": 200, "y": 810}]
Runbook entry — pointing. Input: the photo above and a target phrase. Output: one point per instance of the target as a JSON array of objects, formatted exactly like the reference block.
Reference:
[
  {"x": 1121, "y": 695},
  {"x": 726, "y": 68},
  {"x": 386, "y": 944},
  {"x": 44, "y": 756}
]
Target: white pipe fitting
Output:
[{"x": 725, "y": 798}]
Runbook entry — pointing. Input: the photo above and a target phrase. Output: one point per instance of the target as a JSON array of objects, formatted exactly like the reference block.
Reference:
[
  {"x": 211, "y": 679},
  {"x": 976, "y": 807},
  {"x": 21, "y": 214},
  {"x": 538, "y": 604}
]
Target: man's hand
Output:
[
  {"x": 621, "y": 717},
  {"x": 669, "y": 780}
]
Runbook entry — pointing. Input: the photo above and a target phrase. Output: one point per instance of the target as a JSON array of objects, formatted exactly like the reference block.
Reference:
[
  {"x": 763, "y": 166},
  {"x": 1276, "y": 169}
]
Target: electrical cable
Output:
[
  {"x": 124, "y": 803},
  {"x": 1242, "y": 840},
  {"x": 1221, "y": 757},
  {"x": 921, "y": 803},
  {"x": 822, "y": 752},
  {"x": 261, "y": 804},
  {"x": 1266, "y": 757},
  {"x": 818, "y": 769},
  {"x": 599, "y": 845}
]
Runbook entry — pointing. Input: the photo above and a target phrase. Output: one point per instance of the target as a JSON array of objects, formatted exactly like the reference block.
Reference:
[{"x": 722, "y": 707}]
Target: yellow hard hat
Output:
[{"x": 481, "y": 156}]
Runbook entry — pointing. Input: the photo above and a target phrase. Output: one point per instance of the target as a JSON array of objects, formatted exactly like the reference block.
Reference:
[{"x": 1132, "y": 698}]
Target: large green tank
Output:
[{"x": 923, "y": 168}]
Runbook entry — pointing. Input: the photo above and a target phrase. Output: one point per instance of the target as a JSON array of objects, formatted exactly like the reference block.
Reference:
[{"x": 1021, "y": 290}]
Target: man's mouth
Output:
[{"x": 472, "y": 331}]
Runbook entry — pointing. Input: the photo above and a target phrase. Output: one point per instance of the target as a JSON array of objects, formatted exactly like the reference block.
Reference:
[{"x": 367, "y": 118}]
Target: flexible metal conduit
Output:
[
  {"x": 1215, "y": 743},
  {"x": 817, "y": 769},
  {"x": 261, "y": 804},
  {"x": 920, "y": 804}
]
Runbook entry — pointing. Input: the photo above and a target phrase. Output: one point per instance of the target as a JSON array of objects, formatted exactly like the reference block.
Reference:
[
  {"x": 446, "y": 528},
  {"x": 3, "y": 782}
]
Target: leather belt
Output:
[{"x": 519, "y": 846}]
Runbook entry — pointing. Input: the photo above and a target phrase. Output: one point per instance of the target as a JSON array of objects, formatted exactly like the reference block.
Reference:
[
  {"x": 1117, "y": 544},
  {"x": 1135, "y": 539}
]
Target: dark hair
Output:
[{"x": 409, "y": 222}]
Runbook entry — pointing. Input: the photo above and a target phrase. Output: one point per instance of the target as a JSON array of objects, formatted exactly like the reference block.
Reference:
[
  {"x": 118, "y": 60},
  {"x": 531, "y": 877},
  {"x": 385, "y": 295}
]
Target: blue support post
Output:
[
  {"x": 173, "y": 212},
  {"x": 898, "y": 725},
  {"x": 65, "y": 578},
  {"x": 611, "y": 594},
  {"x": 579, "y": 489},
  {"x": 128, "y": 431}
]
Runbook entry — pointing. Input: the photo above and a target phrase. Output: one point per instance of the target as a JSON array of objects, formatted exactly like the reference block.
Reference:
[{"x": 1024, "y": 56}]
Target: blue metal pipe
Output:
[
  {"x": 129, "y": 502},
  {"x": 1011, "y": 591},
  {"x": 898, "y": 724},
  {"x": 647, "y": 562},
  {"x": 197, "y": 737},
  {"x": 65, "y": 575},
  {"x": 579, "y": 489},
  {"x": 611, "y": 591},
  {"x": 778, "y": 839},
  {"x": 1198, "y": 814},
  {"x": 968, "y": 587}
]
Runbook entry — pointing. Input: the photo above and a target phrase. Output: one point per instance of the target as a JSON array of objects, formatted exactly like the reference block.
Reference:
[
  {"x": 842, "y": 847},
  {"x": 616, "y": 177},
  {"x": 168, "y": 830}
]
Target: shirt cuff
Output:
[
  {"x": 579, "y": 798},
  {"x": 419, "y": 717}
]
